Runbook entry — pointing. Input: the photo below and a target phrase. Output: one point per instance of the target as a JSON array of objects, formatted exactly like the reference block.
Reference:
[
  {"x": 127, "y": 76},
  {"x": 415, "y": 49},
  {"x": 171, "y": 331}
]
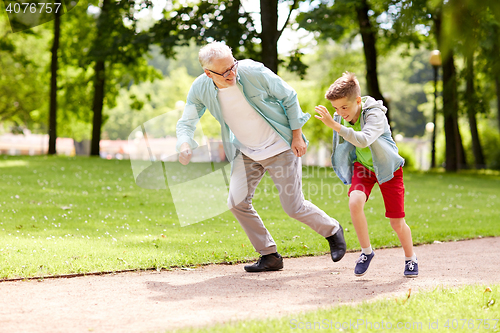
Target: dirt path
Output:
[{"x": 152, "y": 301}]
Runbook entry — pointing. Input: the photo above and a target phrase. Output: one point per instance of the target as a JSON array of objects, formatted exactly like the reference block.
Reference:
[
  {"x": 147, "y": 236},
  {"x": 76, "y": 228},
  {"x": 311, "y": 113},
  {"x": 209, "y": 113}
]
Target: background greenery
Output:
[{"x": 150, "y": 60}]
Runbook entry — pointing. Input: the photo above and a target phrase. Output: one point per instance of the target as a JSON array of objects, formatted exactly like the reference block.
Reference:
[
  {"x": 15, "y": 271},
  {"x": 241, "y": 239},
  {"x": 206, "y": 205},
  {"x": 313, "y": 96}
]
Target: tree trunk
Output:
[
  {"x": 97, "y": 106},
  {"x": 434, "y": 119},
  {"x": 370, "y": 51},
  {"x": 448, "y": 111},
  {"x": 497, "y": 84},
  {"x": 99, "y": 84},
  {"x": 270, "y": 33},
  {"x": 471, "y": 112},
  {"x": 455, "y": 155},
  {"x": 53, "y": 86}
]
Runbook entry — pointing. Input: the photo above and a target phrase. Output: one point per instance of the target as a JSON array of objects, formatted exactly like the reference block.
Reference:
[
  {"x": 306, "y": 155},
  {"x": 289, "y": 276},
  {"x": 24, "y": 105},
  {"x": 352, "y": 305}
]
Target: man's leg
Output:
[
  {"x": 286, "y": 171},
  {"x": 245, "y": 177}
]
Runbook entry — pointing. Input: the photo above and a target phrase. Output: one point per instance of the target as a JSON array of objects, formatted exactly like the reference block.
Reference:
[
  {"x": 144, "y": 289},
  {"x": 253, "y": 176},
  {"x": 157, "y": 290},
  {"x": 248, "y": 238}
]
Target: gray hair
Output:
[{"x": 212, "y": 51}]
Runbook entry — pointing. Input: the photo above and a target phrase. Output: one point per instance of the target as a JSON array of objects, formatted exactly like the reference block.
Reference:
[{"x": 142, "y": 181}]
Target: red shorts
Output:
[{"x": 393, "y": 191}]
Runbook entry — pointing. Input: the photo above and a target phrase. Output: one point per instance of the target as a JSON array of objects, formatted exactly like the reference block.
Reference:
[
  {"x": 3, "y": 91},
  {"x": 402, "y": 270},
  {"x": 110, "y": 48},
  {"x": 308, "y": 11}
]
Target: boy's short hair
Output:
[
  {"x": 345, "y": 86},
  {"x": 212, "y": 51}
]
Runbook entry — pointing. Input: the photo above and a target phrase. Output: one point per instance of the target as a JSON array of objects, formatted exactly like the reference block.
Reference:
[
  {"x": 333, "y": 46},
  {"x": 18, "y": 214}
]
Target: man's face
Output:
[
  {"x": 221, "y": 66},
  {"x": 347, "y": 108}
]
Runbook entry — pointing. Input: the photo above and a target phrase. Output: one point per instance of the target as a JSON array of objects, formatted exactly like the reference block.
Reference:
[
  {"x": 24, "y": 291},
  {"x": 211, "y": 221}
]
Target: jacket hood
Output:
[{"x": 370, "y": 103}]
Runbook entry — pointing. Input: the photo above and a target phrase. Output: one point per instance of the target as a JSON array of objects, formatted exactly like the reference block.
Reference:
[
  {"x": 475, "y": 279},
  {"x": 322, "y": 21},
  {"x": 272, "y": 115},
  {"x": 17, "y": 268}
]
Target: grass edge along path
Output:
[
  {"x": 79, "y": 216},
  {"x": 160, "y": 269},
  {"x": 470, "y": 308}
]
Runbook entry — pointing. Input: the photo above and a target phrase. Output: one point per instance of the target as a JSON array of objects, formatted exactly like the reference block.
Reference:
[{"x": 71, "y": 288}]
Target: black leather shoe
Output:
[
  {"x": 268, "y": 262},
  {"x": 337, "y": 244}
]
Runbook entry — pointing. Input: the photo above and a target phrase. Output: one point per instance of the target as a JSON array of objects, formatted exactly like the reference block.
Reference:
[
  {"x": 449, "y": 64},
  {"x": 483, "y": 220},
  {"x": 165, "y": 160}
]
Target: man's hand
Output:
[
  {"x": 185, "y": 154},
  {"x": 326, "y": 118},
  {"x": 299, "y": 147}
]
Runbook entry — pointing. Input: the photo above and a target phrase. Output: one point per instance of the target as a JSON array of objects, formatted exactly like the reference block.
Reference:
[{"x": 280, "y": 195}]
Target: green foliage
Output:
[
  {"x": 296, "y": 65},
  {"x": 122, "y": 47},
  {"x": 403, "y": 74},
  {"x": 154, "y": 98},
  {"x": 324, "y": 67},
  {"x": 490, "y": 142},
  {"x": 185, "y": 56},
  {"x": 402, "y": 77},
  {"x": 407, "y": 153},
  {"x": 23, "y": 76},
  {"x": 331, "y": 21},
  {"x": 205, "y": 21}
]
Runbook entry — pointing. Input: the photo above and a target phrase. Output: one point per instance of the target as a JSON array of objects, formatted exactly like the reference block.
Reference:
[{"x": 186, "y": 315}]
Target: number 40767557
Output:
[{"x": 27, "y": 7}]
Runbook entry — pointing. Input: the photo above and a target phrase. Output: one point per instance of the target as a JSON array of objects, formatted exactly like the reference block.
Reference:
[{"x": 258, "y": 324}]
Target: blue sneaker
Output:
[
  {"x": 362, "y": 263},
  {"x": 411, "y": 268}
]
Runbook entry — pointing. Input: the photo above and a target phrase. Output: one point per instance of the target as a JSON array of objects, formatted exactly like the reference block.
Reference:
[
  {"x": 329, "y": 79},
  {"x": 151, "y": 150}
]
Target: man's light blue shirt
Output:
[{"x": 266, "y": 92}]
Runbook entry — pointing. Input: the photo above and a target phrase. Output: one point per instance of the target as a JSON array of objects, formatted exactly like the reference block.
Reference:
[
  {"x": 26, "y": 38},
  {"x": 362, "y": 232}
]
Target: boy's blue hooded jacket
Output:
[{"x": 376, "y": 134}]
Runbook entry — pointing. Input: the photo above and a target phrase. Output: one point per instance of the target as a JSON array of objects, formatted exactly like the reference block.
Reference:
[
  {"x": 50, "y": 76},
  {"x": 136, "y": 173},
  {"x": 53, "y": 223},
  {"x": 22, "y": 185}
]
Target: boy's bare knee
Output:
[
  {"x": 398, "y": 224},
  {"x": 357, "y": 200}
]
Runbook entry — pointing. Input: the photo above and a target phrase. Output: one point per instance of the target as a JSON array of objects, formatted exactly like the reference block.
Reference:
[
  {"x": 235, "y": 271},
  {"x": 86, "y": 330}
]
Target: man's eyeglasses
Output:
[{"x": 226, "y": 73}]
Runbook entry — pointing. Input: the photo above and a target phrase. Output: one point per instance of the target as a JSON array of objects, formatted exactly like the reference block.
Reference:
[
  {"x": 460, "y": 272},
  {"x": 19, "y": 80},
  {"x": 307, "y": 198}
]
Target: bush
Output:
[
  {"x": 408, "y": 154},
  {"x": 490, "y": 142}
]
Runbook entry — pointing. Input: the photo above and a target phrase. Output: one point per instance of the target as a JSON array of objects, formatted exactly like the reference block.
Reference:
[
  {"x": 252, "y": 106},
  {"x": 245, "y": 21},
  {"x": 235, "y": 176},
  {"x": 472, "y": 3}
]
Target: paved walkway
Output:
[{"x": 152, "y": 301}]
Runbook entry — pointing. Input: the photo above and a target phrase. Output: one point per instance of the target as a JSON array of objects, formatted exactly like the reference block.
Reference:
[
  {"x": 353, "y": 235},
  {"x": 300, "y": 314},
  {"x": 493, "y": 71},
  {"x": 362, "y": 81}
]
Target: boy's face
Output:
[{"x": 348, "y": 108}]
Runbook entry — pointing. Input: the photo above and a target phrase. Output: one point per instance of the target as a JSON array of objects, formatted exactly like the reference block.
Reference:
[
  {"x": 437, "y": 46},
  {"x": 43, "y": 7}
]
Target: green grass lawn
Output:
[
  {"x": 64, "y": 215},
  {"x": 464, "y": 309}
]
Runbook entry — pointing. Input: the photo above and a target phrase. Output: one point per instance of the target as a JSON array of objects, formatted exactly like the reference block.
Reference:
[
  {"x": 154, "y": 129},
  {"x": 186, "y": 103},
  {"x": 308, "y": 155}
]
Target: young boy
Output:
[{"x": 364, "y": 153}]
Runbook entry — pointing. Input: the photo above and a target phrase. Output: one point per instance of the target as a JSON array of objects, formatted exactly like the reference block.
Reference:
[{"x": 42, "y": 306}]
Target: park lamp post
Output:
[{"x": 435, "y": 60}]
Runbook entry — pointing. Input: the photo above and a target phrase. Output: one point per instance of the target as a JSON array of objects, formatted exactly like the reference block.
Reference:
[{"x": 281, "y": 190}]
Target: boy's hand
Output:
[{"x": 326, "y": 118}]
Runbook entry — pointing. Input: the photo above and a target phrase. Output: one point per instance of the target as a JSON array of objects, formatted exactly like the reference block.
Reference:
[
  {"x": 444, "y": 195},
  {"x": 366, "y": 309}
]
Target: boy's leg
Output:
[
  {"x": 357, "y": 201},
  {"x": 362, "y": 183},
  {"x": 393, "y": 192},
  {"x": 404, "y": 234}
]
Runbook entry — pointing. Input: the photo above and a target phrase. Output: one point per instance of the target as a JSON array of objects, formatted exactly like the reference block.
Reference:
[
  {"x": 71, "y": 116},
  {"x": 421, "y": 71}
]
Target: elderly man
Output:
[{"x": 261, "y": 123}]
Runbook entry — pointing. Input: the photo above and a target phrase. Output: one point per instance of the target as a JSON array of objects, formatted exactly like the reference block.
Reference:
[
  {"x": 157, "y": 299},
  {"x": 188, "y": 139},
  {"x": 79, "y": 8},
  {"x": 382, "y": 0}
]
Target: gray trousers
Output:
[{"x": 285, "y": 170}]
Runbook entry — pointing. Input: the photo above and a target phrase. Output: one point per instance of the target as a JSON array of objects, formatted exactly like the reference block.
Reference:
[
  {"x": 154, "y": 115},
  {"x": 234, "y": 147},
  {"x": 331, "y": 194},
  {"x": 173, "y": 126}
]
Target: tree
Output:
[
  {"x": 473, "y": 103},
  {"x": 53, "y": 84},
  {"x": 337, "y": 19},
  {"x": 435, "y": 15},
  {"x": 116, "y": 44},
  {"x": 270, "y": 33},
  {"x": 227, "y": 21},
  {"x": 455, "y": 155},
  {"x": 205, "y": 21},
  {"x": 489, "y": 51},
  {"x": 468, "y": 35}
]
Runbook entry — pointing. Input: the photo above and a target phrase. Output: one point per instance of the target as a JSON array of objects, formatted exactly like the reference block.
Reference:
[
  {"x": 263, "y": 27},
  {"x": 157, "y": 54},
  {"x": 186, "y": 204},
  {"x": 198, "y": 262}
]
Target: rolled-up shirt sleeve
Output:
[{"x": 186, "y": 126}]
